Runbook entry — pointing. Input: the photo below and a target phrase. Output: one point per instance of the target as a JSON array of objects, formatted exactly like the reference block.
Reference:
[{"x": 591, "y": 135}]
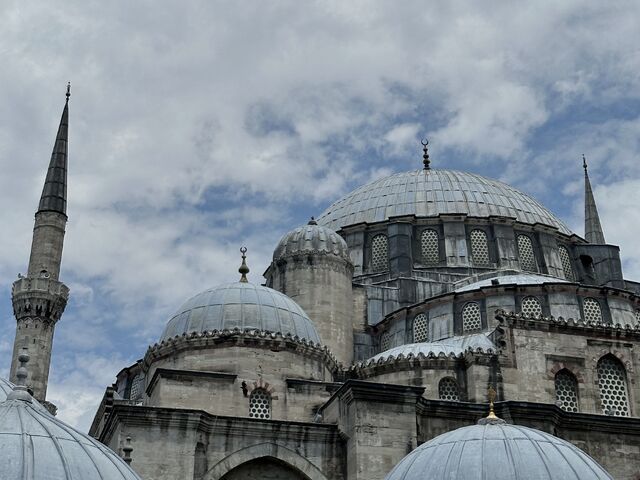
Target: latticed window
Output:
[
  {"x": 448, "y": 389},
  {"x": 612, "y": 381},
  {"x": 525, "y": 252},
  {"x": 385, "y": 341},
  {"x": 471, "y": 318},
  {"x": 260, "y": 404},
  {"x": 637, "y": 315},
  {"x": 429, "y": 247},
  {"x": 137, "y": 386},
  {"x": 479, "y": 248},
  {"x": 420, "y": 328},
  {"x": 566, "y": 391},
  {"x": 592, "y": 310},
  {"x": 566, "y": 263},
  {"x": 379, "y": 253},
  {"x": 531, "y": 307}
]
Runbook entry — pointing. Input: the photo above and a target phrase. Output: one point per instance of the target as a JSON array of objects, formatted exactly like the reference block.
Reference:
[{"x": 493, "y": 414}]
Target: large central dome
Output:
[{"x": 429, "y": 193}]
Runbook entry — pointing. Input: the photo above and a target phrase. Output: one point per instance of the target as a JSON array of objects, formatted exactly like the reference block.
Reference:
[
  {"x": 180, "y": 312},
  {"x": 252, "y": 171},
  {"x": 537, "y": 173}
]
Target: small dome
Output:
[
  {"x": 244, "y": 306},
  {"x": 311, "y": 239},
  {"x": 498, "y": 451},
  {"x": 35, "y": 445},
  {"x": 519, "y": 279},
  {"x": 429, "y": 193},
  {"x": 6, "y": 387}
]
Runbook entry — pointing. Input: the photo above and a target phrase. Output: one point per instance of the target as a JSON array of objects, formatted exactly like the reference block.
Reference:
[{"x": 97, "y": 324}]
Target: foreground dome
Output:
[
  {"x": 497, "y": 451},
  {"x": 6, "y": 387},
  {"x": 244, "y": 306},
  {"x": 429, "y": 193},
  {"x": 311, "y": 239}
]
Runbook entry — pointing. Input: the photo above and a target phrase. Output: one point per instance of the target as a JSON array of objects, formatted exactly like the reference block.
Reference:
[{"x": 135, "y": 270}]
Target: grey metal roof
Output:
[
  {"x": 54, "y": 192},
  {"x": 429, "y": 193},
  {"x": 6, "y": 387},
  {"x": 519, "y": 279},
  {"x": 498, "y": 452},
  {"x": 454, "y": 345},
  {"x": 311, "y": 238},
  {"x": 38, "y": 446},
  {"x": 241, "y": 305}
]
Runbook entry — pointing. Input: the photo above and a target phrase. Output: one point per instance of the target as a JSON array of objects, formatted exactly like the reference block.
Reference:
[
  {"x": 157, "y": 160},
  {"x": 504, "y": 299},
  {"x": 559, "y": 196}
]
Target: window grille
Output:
[
  {"x": 420, "y": 328},
  {"x": 525, "y": 252},
  {"x": 612, "y": 381},
  {"x": 566, "y": 263},
  {"x": 385, "y": 341},
  {"x": 448, "y": 389},
  {"x": 479, "y": 248},
  {"x": 379, "y": 253},
  {"x": 137, "y": 386},
  {"x": 637, "y": 315},
  {"x": 566, "y": 391},
  {"x": 592, "y": 310},
  {"x": 429, "y": 246},
  {"x": 260, "y": 404},
  {"x": 531, "y": 307},
  {"x": 471, "y": 318}
]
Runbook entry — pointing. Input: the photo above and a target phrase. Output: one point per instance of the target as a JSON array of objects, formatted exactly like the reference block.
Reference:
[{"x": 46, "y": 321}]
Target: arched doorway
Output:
[{"x": 265, "y": 468}]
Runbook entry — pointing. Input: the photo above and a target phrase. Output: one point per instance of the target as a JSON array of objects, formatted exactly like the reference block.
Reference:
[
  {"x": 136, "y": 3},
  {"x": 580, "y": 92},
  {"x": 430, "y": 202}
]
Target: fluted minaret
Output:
[
  {"x": 592, "y": 228},
  {"x": 40, "y": 298}
]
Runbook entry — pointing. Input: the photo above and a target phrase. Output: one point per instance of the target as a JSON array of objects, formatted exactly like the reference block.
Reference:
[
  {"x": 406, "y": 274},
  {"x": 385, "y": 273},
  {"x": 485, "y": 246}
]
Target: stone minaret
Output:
[
  {"x": 40, "y": 298},
  {"x": 592, "y": 228}
]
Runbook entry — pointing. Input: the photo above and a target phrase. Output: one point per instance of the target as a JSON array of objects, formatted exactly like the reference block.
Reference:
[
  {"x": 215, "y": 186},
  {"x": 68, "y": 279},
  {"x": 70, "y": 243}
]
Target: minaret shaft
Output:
[{"x": 39, "y": 298}]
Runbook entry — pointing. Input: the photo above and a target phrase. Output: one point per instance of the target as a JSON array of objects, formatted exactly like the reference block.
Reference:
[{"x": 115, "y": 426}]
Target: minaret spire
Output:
[
  {"x": 592, "y": 227},
  {"x": 40, "y": 298}
]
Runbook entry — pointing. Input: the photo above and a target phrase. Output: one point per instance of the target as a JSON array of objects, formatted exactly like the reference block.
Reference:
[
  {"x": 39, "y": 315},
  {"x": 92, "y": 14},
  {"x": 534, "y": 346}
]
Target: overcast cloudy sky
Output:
[{"x": 198, "y": 127}]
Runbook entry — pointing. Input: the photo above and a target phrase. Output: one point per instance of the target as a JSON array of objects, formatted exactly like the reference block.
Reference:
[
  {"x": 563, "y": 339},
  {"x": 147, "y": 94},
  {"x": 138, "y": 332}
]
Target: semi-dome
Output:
[
  {"x": 244, "y": 306},
  {"x": 498, "y": 451},
  {"x": 311, "y": 239},
  {"x": 429, "y": 193}
]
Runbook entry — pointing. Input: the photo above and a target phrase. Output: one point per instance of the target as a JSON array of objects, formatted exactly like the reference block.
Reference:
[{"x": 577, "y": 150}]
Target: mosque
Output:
[{"x": 432, "y": 324}]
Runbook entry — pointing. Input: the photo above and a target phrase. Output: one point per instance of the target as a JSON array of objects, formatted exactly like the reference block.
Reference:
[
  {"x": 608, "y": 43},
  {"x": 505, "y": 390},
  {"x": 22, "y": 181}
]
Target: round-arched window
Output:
[
  {"x": 612, "y": 381},
  {"x": 592, "y": 310},
  {"x": 471, "y": 317},
  {"x": 385, "y": 341},
  {"x": 448, "y": 389},
  {"x": 566, "y": 263},
  {"x": 525, "y": 252},
  {"x": 429, "y": 247},
  {"x": 420, "y": 328},
  {"x": 531, "y": 307},
  {"x": 379, "y": 253},
  {"x": 566, "y": 391},
  {"x": 260, "y": 404},
  {"x": 479, "y": 248}
]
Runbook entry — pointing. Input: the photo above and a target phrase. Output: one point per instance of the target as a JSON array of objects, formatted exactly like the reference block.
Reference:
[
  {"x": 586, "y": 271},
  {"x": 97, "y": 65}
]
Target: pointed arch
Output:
[{"x": 265, "y": 450}]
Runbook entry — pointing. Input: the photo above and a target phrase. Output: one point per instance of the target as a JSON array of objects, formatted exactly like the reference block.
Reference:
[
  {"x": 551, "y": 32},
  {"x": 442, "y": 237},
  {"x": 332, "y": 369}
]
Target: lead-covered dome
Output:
[
  {"x": 498, "y": 451},
  {"x": 429, "y": 193},
  {"x": 244, "y": 306},
  {"x": 311, "y": 239},
  {"x": 6, "y": 387},
  {"x": 35, "y": 446}
]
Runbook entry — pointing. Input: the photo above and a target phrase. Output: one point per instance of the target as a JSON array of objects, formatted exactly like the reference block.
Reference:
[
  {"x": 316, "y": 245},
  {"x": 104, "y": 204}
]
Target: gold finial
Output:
[
  {"x": 492, "y": 396},
  {"x": 68, "y": 90},
  {"x": 243, "y": 268},
  {"x": 425, "y": 153}
]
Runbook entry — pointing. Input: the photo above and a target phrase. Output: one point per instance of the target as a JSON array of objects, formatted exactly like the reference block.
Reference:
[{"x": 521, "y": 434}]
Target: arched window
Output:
[
  {"x": 429, "y": 247},
  {"x": 566, "y": 263},
  {"x": 479, "y": 248},
  {"x": 637, "y": 313},
  {"x": 592, "y": 310},
  {"x": 379, "y": 253},
  {"x": 420, "y": 328},
  {"x": 566, "y": 391},
  {"x": 525, "y": 252},
  {"x": 260, "y": 404},
  {"x": 471, "y": 317},
  {"x": 531, "y": 307},
  {"x": 448, "y": 389},
  {"x": 612, "y": 381},
  {"x": 385, "y": 341},
  {"x": 137, "y": 387}
]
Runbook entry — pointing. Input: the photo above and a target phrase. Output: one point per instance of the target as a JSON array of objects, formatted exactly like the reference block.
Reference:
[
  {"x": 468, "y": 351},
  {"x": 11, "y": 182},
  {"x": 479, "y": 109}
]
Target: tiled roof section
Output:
[
  {"x": 497, "y": 452},
  {"x": 35, "y": 445},
  {"x": 519, "y": 279},
  {"x": 429, "y": 193},
  {"x": 242, "y": 306},
  {"x": 478, "y": 342},
  {"x": 54, "y": 193},
  {"x": 311, "y": 239}
]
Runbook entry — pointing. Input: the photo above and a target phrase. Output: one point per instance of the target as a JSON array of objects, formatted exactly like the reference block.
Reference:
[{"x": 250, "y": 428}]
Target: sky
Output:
[{"x": 199, "y": 127}]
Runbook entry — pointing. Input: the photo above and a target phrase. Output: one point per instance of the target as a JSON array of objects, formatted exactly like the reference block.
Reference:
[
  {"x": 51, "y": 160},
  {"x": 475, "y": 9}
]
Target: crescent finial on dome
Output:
[
  {"x": 244, "y": 269},
  {"x": 425, "y": 153}
]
